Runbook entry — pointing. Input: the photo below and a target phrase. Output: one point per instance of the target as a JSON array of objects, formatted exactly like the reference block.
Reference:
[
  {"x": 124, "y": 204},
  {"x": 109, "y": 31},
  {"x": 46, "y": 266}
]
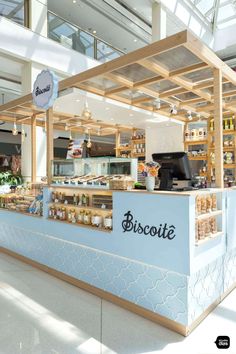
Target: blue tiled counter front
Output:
[{"x": 155, "y": 273}]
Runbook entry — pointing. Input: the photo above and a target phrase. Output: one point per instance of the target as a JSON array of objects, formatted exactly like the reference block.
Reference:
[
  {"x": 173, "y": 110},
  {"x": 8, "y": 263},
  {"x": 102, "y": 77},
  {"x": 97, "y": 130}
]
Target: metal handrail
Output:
[{"x": 96, "y": 38}]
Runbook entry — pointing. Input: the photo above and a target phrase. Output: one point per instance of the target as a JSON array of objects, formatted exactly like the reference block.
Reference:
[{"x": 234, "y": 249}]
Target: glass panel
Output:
[
  {"x": 13, "y": 10},
  {"x": 73, "y": 37},
  {"x": 176, "y": 58},
  {"x": 70, "y": 36},
  {"x": 106, "y": 53},
  {"x": 134, "y": 72}
]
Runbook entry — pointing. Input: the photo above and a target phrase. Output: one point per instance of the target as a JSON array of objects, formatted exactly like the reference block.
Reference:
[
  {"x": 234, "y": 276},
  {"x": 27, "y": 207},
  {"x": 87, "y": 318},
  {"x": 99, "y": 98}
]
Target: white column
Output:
[
  {"x": 158, "y": 22},
  {"x": 29, "y": 74},
  {"x": 38, "y": 16},
  {"x": 163, "y": 139}
]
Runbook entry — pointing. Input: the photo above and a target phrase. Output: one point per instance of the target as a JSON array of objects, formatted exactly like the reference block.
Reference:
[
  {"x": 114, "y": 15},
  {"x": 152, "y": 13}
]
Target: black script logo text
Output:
[{"x": 162, "y": 231}]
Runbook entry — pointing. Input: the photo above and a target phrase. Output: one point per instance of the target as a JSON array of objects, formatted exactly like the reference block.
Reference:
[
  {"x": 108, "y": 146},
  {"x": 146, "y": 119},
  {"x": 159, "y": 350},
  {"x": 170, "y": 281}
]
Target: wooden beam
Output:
[
  {"x": 188, "y": 69},
  {"x": 218, "y": 119},
  {"x": 148, "y": 81},
  {"x": 17, "y": 102},
  {"x": 192, "y": 101},
  {"x": 115, "y": 90},
  {"x": 173, "y": 92},
  {"x": 49, "y": 125},
  {"x": 142, "y": 99},
  {"x": 33, "y": 150}
]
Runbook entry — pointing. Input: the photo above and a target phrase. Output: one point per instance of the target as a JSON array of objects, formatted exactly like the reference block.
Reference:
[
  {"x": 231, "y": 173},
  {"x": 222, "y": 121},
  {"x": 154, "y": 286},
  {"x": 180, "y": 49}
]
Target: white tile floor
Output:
[{"x": 40, "y": 314}]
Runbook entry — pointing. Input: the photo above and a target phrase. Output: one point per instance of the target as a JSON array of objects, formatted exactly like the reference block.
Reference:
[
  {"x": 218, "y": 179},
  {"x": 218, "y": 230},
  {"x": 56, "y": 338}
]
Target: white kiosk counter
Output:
[{"x": 151, "y": 262}]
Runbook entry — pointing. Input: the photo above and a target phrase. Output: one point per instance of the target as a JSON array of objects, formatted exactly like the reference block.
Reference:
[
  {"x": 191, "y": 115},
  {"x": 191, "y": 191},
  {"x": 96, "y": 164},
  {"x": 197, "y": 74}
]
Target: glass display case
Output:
[{"x": 87, "y": 169}]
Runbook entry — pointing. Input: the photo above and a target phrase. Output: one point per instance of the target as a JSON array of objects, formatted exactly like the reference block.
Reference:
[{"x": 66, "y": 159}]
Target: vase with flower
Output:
[{"x": 150, "y": 171}]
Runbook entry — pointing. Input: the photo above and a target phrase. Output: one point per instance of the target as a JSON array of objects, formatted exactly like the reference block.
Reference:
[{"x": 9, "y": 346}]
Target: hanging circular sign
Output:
[{"x": 45, "y": 89}]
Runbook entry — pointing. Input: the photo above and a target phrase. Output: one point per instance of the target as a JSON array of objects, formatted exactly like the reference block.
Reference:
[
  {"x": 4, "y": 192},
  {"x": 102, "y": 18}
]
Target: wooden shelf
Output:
[
  {"x": 81, "y": 225},
  {"x": 124, "y": 148},
  {"x": 196, "y": 142},
  {"x": 203, "y": 174},
  {"x": 22, "y": 212},
  {"x": 208, "y": 215},
  {"x": 138, "y": 141},
  {"x": 79, "y": 206},
  {"x": 197, "y": 158},
  {"x": 206, "y": 239},
  {"x": 229, "y": 148},
  {"x": 229, "y": 165},
  {"x": 138, "y": 155},
  {"x": 225, "y": 132}
]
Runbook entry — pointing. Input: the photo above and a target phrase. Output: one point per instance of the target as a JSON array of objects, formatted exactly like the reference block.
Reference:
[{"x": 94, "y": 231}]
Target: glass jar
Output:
[
  {"x": 97, "y": 220},
  {"x": 108, "y": 222},
  {"x": 87, "y": 218},
  {"x": 73, "y": 216},
  {"x": 80, "y": 218}
]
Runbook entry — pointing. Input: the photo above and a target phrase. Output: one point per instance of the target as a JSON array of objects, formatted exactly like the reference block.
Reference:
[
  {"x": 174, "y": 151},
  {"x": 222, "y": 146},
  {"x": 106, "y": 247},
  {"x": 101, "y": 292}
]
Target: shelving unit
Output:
[
  {"x": 132, "y": 148},
  {"x": 95, "y": 198},
  {"x": 209, "y": 238},
  {"x": 203, "y": 222},
  {"x": 209, "y": 146}
]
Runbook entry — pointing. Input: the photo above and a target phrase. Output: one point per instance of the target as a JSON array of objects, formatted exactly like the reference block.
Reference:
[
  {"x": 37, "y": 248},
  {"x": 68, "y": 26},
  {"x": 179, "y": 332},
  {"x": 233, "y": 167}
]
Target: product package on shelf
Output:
[{"x": 206, "y": 216}]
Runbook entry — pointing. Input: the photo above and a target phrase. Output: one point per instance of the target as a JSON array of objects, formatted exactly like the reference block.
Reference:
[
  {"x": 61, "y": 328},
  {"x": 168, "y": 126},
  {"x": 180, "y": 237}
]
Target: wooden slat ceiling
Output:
[{"x": 177, "y": 70}]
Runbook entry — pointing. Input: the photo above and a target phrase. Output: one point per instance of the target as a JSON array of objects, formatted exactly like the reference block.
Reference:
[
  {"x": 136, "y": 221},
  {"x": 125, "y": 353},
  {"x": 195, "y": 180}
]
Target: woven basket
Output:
[{"x": 121, "y": 184}]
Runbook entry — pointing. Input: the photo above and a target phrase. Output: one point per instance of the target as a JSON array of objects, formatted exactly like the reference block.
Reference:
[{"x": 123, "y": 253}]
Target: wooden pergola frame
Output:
[{"x": 177, "y": 71}]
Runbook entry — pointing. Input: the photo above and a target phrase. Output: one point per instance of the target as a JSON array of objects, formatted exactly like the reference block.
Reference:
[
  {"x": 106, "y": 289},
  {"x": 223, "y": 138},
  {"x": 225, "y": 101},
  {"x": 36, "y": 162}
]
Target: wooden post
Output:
[
  {"x": 33, "y": 149},
  {"x": 49, "y": 125},
  {"x": 117, "y": 143},
  {"x": 218, "y": 119}
]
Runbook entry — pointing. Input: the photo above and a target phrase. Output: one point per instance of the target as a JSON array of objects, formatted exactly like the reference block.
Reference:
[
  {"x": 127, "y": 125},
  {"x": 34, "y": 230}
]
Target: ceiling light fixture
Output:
[
  {"x": 158, "y": 103},
  {"x": 74, "y": 1},
  {"x": 22, "y": 133},
  {"x": 77, "y": 100},
  {"x": 190, "y": 115},
  {"x": 86, "y": 113},
  {"x": 199, "y": 117},
  {"x": 135, "y": 40},
  {"x": 66, "y": 127},
  {"x": 173, "y": 109},
  {"x": 14, "y": 129},
  {"x": 94, "y": 31},
  {"x": 107, "y": 108},
  {"x": 131, "y": 115},
  {"x": 70, "y": 135}
]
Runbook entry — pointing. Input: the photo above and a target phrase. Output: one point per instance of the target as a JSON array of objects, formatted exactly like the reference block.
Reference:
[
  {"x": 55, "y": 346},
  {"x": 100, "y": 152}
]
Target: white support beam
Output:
[{"x": 158, "y": 22}]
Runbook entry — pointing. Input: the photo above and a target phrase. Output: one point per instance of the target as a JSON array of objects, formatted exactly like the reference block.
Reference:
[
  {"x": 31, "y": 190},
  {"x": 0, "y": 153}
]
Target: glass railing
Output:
[
  {"x": 73, "y": 37},
  {"x": 15, "y": 10}
]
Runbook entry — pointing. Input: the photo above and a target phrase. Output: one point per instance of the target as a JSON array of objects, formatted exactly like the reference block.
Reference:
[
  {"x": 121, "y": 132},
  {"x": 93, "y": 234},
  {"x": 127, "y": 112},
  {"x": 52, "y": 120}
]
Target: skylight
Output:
[{"x": 217, "y": 13}]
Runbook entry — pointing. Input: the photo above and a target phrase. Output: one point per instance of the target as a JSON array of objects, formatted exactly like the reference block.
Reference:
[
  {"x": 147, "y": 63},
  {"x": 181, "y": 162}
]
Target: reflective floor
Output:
[{"x": 40, "y": 314}]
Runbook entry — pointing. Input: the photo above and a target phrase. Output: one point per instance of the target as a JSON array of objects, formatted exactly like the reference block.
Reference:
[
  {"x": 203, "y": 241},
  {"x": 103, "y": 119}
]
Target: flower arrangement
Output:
[{"x": 149, "y": 169}]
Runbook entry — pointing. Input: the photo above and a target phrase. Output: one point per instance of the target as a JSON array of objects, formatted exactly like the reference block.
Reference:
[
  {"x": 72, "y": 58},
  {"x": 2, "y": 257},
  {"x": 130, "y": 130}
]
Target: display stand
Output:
[{"x": 151, "y": 261}]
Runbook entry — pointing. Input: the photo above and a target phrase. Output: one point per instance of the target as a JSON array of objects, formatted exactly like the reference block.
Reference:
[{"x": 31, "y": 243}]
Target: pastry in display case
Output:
[{"x": 93, "y": 171}]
